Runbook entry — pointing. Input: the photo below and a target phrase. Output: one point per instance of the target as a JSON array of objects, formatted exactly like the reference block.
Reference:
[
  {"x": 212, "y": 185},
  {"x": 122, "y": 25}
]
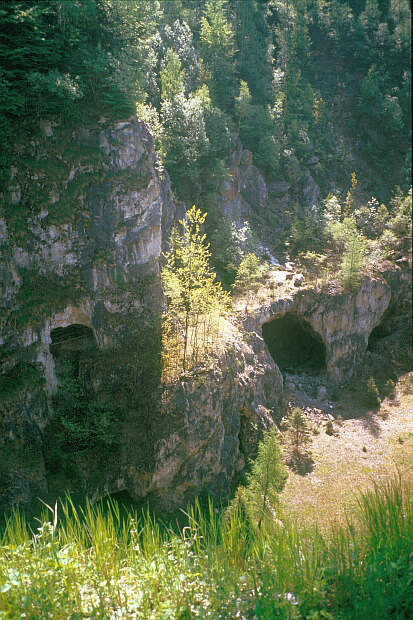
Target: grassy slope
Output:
[{"x": 365, "y": 449}]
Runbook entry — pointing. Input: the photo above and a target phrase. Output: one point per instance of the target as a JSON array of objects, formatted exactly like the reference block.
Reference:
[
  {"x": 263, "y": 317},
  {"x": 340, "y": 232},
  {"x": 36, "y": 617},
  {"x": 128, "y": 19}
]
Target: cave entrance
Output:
[
  {"x": 376, "y": 334},
  {"x": 294, "y": 346},
  {"x": 69, "y": 346}
]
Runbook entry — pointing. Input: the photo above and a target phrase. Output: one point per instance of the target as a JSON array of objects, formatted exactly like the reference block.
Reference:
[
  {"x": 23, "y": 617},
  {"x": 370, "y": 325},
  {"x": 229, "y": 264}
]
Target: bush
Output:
[
  {"x": 389, "y": 388},
  {"x": 372, "y": 394},
  {"x": 329, "y": 427},
  {"x": 79, "y": 419}
]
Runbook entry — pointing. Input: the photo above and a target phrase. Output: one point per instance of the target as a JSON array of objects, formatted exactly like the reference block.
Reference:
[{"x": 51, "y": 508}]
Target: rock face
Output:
[
  {"x": 342, "y": 323},
  {"x": 246, "y": 192},
  {"x": 81, "y": 232},
  {"x": 222, "y": 413},
  {"x": 266, "y": 209},
  {"x": 82, "y": 228},
  {"x": 207, "y": 429}
]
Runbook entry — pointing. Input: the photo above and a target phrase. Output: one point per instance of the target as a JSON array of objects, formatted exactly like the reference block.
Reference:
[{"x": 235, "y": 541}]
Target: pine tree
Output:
[
  {"x": 266, "y": 479},
  {"x": 372, "y": 393},
  {"x": 350, "y": 272},
  {"x": 248, "y": 276},
  {"x": 299, "y": 430}
]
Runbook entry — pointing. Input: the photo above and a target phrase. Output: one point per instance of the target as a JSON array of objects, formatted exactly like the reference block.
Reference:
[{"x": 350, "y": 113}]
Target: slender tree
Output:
[
  {"x": 196, "y": 301},
  {"x": 299, "y": 431},
  {"x": 351, "y": 264}
]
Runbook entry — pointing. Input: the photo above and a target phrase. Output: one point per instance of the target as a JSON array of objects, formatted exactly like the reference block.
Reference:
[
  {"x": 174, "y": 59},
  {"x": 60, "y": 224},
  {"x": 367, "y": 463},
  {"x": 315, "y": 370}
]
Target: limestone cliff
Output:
[
  {"x": 246, "y": 199},
  {"x": 82, "y": 228},
  {"x": 81, "y": 235},
  {"x": 330, "y": 331},
  {"x": 82, "y": 409}
]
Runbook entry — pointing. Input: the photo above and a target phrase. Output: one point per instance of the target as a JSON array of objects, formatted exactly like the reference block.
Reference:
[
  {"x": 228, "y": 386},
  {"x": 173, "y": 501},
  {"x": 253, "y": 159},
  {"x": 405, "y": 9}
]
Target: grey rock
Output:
[{"x": 278, "y": 189}]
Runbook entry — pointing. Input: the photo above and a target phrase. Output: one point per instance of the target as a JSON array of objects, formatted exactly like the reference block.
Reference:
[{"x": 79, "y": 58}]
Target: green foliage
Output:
[
  {"x": 80, "y": 419},
  {"x": 172, "y": 76},
  {"x": 207, "y": 73},
  {"x": 20, "y": 378},
  {"x": 256, "y": 60},
  {"x": 105, "y": 560},
  {"x": 217, "y": 50},
  {"x": 372, "y": 393},
  {"x": 306, "y": 233},
  {"x": 389, "y": 388},
  {"x": 249, "y": 274},
  {"x": 329, "y": 427},
  {"x": 377, "y": 104},
  {"x": 265, "y": 481},
  {"x": 196, "y": 302},
  {"x": 226, "y": 249},
  {"x": 183, "y": 140},
  {"x": 350, "y": 272},
  {"x": 299, "y": 433},
  {"x": 39, "y": 294}
]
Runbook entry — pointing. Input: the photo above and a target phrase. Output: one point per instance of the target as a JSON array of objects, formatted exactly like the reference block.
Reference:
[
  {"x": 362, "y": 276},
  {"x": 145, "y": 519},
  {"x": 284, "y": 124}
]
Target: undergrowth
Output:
[{"x": 95, "y": 562}]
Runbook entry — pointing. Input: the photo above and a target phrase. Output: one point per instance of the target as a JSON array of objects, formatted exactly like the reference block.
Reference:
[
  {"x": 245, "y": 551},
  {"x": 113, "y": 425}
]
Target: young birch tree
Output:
[{"x": 196, "y": 302}]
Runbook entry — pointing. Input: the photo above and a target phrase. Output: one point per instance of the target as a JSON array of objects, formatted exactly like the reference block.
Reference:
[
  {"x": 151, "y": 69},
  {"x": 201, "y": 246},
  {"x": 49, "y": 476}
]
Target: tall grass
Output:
[{"x": 94, "y": 563}]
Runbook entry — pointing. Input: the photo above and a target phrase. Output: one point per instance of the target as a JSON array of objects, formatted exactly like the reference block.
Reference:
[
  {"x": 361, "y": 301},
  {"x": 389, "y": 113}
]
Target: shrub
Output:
[
  {"x": 389, "y": 388},
  {"x": 372, "y": 393}
]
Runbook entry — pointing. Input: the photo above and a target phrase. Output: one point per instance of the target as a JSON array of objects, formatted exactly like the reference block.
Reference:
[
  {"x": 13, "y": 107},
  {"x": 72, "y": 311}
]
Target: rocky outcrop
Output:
[
  {"x": 266, "y": 209},
  {"x": 246, "y": 192},
  {"x": 342, "y": 322},
  {"x": 82, "y": 229},
  {"x": 81, "y": 234},
  {"x": 221, "y": 414},
  {"x": 206, "y": 431}
]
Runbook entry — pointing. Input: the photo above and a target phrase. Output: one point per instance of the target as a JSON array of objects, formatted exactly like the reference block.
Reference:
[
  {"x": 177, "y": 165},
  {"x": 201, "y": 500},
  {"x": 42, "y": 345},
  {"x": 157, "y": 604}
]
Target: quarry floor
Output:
[{"x": 366, "y": 447}]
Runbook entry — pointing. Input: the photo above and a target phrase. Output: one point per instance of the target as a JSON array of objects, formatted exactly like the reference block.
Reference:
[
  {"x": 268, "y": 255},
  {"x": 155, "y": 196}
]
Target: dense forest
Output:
[
  {"x": 271, "y": 72},
  {"x": 178, "y": 328}
]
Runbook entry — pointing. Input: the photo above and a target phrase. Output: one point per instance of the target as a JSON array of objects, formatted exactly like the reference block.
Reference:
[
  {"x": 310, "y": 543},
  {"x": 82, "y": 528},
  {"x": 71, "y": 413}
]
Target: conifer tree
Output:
[
  {"x": 172, "y": 76},
  {"x": 299, "y": 431},
  {"x": 248, "y": 276},
  {"x": 351, "y": 264},
  {"x": 267, "y": 478},
  {"x": 217, "y": 45}
]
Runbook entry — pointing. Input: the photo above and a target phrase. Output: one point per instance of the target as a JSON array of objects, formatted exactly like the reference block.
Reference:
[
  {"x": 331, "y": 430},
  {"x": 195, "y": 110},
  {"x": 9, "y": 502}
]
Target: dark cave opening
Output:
[
  {"x": 69, "y": 345},
  {"x": 293, "y": 345},
  {"x": 376, "y": 334}
]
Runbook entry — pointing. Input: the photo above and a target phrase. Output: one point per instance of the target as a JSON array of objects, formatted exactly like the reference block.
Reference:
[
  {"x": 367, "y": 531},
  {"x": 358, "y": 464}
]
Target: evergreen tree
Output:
[
  {"x": 350, "y": 272},
  {"x": 266, "y": 480},
  {"x": 372, "y": 394},
  {"x": 248, "y": 276},
  {"x": 217, "y": 47},
  {"x": 172, "y": 76},
  {"x": 298, "y": 430}
]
